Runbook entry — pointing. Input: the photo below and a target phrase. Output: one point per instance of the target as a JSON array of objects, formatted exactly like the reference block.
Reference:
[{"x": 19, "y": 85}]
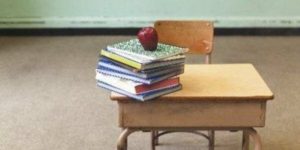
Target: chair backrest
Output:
[{"x": 197, "y": 36}]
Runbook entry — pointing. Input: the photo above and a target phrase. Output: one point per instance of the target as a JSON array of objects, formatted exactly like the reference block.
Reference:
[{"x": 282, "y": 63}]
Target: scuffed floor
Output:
[{"x": 49, "y": 99}]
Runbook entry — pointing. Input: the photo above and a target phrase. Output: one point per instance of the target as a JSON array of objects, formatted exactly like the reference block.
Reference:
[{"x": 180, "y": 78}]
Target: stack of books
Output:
[{"x": 126, "y": 68}]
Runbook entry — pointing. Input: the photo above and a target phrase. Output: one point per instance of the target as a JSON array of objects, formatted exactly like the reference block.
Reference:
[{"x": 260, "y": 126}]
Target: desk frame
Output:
[
  {"x": 235, "y": 115},
  {"x": 228, "y": 97},
  {"x": 247, "y": 132}
]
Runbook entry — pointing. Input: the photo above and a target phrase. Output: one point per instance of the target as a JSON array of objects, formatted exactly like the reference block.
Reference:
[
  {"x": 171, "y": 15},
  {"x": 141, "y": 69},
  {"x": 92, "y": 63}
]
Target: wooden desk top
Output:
[{"x": 217, "y": 82}]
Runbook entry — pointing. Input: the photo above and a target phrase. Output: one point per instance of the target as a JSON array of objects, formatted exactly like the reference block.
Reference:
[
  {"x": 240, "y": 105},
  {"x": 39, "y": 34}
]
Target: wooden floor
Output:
[{"x": 49, "y": 99}]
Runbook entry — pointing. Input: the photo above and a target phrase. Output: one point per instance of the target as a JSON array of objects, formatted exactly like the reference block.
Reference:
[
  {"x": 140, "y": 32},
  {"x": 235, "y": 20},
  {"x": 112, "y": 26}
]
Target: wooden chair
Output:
[{"x": 197, "y": 36}]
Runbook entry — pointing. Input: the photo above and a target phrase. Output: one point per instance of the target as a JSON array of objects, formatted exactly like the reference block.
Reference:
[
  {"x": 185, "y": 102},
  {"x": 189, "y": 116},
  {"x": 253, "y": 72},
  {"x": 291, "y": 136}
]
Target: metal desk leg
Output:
[
  {"x": 122, "y": 140},
  {"x": 255, "y": 137},
  {"x": 126, "y": 144},
  {"x": 154, "y": 139},
  {"x": 245, "y": 143},
  {"x": 211, "y": 140}
]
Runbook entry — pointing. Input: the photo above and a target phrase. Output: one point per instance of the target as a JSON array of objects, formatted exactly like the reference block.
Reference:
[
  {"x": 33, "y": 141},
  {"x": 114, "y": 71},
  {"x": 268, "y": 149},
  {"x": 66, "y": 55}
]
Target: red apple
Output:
[{"x": 148, "y": 38}]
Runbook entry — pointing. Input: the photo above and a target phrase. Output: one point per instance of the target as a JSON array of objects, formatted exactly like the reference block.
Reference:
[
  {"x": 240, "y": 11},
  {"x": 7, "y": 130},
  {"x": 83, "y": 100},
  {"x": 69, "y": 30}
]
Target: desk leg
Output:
[
  {"x": 245, "y": 143},
  {"x": 122, "y": 140},
  {"x": 211, "y": 140},
  {"x": 154, "y": 139},
  {"x": 255, "y": 137},
  {"x": 126, "y": 144}
]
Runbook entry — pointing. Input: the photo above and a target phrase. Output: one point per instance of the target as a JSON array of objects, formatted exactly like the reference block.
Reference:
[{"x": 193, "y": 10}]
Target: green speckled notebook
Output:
[{"x": 133, "y": 48}]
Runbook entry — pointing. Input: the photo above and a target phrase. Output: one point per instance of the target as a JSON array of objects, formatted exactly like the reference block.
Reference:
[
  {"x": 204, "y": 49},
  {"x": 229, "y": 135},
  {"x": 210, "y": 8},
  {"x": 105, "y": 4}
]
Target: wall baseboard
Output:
[
  {"x": 134, "y": 31},
  {"x": 137, "y": 22}
]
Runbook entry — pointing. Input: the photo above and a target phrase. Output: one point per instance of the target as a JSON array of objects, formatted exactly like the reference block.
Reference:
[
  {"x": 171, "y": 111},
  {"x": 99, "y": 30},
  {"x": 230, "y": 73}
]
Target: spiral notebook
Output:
[
  {"x": 136, "y": 87},
  {"x": 108, "y": 64},
  {"x": 142, "y": 97},
  {"x": 135, "y": 78},
  {"x": 117, "y": 57},
  {"x": 133, "y": 48}
]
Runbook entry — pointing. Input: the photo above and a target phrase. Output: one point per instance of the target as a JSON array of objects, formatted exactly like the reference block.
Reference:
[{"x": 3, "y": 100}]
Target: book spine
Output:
[{"x": 121, "y": 59}]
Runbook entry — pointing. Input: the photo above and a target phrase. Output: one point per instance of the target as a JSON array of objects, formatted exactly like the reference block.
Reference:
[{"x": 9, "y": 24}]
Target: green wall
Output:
[{"x": 138, "y": 13}]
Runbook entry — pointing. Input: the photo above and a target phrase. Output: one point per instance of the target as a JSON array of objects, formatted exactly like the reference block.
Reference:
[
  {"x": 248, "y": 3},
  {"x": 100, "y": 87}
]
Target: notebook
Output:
[
  {"x": 135, "y": 78},
  {"x": 108, "y": 64},
  {"x": 136, "y": 87},
  {"x": 133, "y": 48},
  {"x": 141, "y": 97},
  {"x": 142, "y": 66},
  {"x": 121, "y": 59}
]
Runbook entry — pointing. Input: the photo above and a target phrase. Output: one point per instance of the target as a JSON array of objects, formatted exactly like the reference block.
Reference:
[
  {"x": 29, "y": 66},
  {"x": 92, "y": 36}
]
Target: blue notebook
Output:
[
  {"x": 142, "y": 97},
  {"x": 108, "y": 64},
  {"x": 135, "y": 78}
]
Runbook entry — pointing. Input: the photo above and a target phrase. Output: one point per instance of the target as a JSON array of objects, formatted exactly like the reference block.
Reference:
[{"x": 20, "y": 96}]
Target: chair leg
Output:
[
  {"x": 245, "y": 143},
  {"x": 211, "y": 136},
  {"x": 122, "y": 140}
]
